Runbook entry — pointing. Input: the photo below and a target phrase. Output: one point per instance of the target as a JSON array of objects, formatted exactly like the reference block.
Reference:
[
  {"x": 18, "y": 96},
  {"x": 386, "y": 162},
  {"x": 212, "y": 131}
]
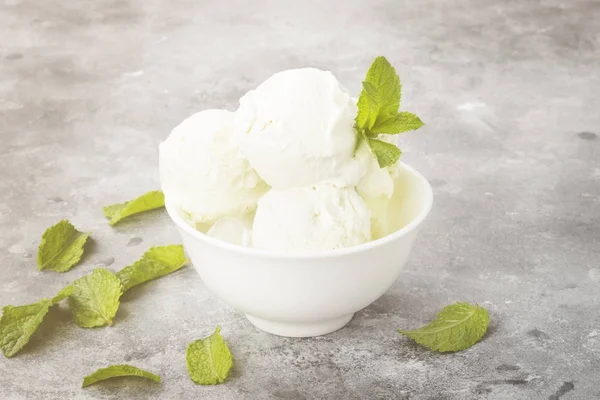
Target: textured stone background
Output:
[{"x": 509, "y": 92}]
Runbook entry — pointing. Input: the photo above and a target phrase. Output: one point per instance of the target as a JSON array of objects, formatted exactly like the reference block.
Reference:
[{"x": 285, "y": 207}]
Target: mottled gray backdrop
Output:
[{"x": 509, "y": 93}]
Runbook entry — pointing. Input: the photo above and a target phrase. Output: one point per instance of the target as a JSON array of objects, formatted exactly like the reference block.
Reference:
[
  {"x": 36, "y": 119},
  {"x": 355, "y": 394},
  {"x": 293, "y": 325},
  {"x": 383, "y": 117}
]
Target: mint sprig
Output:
[{"x": 378, "y": 106}]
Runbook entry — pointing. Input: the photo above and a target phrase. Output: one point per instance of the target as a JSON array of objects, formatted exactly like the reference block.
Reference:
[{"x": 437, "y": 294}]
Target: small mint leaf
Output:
[
  {"x": 146, "y": 202},
  {"x": 61, "y": 247},
  {"x": 386, "y": 153},
  {"x": 457, "y": 327},
  {"x": 401, "y": 122},
  {"x": 380, "y": 96},
  {"x": 19, "y": 323},
  {"x": 94, "y": 299},
  {"x": 156, "y": 262},
  {"x": 114, "y": 371},
  {"x": 209, "y": 360}
]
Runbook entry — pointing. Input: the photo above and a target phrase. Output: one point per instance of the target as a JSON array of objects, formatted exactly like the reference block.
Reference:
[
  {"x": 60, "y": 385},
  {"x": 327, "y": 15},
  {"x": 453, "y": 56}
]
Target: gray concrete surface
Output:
[{"x": 509, "y": 92}]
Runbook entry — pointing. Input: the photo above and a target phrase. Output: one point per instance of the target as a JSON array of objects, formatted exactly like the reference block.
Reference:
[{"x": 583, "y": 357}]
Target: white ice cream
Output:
[
  {"x": 202, "y": 171},
  {"x": 322, "y": 217},
  {"x": 232, "y": 230},
  {"x": 296, "y": 129}
]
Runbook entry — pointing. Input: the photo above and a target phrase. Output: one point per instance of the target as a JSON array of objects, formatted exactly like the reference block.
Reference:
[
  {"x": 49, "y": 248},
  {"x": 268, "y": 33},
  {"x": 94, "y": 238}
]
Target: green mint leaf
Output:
[
  {"x": 156, "y": 262},
  {"x": 146, "y": 202},
  {"x": 209, "y": 360},
  {"x": 370, "y": 91},
  {"x": 379, "y": 99},
  {"x": 19, "y": 323},
  {"x": 95, "y": 298},
  {"x": 457, "y": 327},
  {"x": 114, "y": 371},
  {"x": 367, "y": 112},
  {"x": 63, "y": 294},
  {"x": 61, "y": 247},
  {"x": 386, "y": 153},
  {"x": 401, "y": 122}
]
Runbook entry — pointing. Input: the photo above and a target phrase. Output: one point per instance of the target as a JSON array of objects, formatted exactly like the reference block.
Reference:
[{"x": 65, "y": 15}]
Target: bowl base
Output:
[{"x": 300, "y": 329}]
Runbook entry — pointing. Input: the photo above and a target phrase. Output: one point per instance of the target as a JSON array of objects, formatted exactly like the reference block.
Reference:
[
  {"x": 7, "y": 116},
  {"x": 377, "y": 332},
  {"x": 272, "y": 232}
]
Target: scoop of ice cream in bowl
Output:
[{"x": 293, "y": 209}]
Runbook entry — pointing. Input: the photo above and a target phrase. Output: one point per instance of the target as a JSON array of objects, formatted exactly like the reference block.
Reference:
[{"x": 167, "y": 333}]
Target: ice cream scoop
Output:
[
  {"x": 232, "y": 230},
  {"x": 202, "y": 171},
  {"x": 297, "y": 129},
  {"x": 312, "y": 218}
]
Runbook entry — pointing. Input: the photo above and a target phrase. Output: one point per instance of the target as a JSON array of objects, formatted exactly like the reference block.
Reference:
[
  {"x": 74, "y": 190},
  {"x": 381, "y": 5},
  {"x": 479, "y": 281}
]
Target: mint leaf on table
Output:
[
  {"x": 94, "y": 300},
  {"x": 156, "y": 262},
  {"x": 17, "y": 324},
  {"x": 146, "y": 202},
  {"x": 61, "y": 247},
  {"x": 209, "y": 360},
  {"x": 114, "y": 371},
  {"x": 378, "y": 106},
  {"x": 457, "y": 327}
]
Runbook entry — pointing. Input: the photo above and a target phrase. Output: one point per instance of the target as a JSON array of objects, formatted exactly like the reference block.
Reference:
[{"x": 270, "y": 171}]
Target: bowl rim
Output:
[{"x": 320, "y": 254}]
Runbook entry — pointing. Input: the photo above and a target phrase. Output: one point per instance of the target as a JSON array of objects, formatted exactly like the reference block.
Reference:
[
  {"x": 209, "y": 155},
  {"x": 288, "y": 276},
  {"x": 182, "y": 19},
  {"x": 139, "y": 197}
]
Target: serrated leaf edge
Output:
[
  {"x": 47, "y": 302},
  {"x": 74, "y": 237},
  {"x": 475, "y": 309},
  {"x": 208, "y": 348}
]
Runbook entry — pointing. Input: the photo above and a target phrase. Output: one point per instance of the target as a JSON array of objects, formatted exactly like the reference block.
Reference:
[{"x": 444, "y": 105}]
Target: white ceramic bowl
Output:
[{"x": 310, "y": 294}]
